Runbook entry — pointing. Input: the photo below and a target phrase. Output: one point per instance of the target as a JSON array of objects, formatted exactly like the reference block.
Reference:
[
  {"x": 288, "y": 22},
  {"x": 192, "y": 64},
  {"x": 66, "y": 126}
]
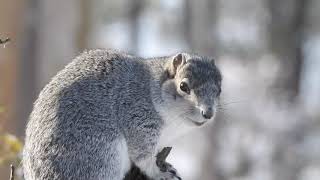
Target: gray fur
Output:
[{"x": 105, "y": 106}]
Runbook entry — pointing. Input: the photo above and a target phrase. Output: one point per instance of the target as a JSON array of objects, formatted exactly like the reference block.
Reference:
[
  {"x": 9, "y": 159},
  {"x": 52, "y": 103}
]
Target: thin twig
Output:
[{"x": 12, "y": 172}]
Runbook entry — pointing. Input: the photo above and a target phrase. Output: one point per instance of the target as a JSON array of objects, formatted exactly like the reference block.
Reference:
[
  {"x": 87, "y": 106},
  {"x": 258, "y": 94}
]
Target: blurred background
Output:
[{"x": 268, "y": 126}]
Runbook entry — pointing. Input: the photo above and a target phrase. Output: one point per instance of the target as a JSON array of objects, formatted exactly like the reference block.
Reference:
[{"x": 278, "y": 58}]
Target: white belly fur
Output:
[{"x": 124, "y": 156}]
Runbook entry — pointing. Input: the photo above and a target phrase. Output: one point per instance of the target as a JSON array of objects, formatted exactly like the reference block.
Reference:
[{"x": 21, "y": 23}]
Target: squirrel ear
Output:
[{"x": 177, "y": 60}]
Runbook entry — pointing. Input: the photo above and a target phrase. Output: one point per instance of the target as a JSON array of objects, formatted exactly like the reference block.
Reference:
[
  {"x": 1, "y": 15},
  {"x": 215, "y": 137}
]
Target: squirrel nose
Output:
[{"x": 207, "y": 113}]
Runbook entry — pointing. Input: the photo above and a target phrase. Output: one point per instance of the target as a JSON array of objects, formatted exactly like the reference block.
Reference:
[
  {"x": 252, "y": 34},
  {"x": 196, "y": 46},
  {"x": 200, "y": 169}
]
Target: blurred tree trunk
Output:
[
  {"x": 28, "y": 64},
  {"x": 310, "y": 87},
  {"x": 200, "y": 18},
  {"x": 10, "y": 26},
  {"x": 85, "y": 24},
  {"x": 135, "y": 8},
  {"x": 187, "y": 22},
  {"x": 286, "y": 34},
  {"x": 286, "y": 41}
]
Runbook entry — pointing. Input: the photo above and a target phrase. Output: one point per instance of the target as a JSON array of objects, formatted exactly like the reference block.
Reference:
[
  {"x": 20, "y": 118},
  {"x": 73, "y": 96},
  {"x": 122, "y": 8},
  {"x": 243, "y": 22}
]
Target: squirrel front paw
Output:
[{"x": 168, "y": 172}]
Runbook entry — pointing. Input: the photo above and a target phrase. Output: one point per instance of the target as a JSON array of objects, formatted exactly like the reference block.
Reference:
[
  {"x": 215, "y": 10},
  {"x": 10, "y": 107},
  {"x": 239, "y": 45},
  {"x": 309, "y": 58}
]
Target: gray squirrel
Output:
[{"x": 107, "y": 110}]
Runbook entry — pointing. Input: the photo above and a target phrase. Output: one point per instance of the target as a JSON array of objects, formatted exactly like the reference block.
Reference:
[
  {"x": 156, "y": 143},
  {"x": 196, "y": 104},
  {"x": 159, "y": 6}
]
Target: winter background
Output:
[{"x": 269, "y": 53}]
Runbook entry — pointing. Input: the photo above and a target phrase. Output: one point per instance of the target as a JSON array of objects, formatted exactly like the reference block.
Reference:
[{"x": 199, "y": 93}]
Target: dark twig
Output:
[
  {"x": 12, "y": 172},
  {"x": 161, "y": 158}
]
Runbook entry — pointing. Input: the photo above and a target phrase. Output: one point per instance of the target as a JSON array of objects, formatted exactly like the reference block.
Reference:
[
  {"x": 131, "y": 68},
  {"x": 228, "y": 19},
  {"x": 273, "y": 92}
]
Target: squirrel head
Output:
[{"x": 193, "y": 88}]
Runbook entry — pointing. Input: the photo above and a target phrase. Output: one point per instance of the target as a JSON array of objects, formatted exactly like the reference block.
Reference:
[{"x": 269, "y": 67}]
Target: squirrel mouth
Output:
[{"x": 198, "y": 123}]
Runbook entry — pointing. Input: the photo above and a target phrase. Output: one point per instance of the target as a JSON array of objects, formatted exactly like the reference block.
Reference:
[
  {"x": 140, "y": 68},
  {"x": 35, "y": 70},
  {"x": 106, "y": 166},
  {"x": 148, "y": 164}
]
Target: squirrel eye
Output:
[{"x": 184, "y": 87}]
